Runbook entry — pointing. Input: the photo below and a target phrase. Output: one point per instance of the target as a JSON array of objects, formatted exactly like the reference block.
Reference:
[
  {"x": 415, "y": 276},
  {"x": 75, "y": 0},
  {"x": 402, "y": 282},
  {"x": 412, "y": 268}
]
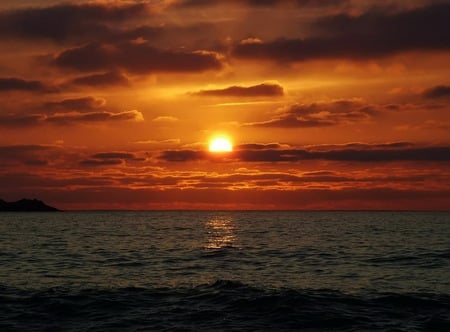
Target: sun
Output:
[{"x": 220, "y": 144}]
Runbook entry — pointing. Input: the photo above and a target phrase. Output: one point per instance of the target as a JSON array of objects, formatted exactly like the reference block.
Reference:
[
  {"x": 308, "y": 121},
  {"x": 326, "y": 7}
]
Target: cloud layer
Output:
[
  {"x": 260, "y": 90},
  {"x": 376, "y": 33},
  {"x": 361, "y": 153},
  {"x": 112, "y": 103},
  {"x": 68, "y": 118},
  {"x": 320, "y": 114},
  {"x": 135, "y": 58},
  {"x": 19, "y": 84},
  {"x": 67, "y": 21}
]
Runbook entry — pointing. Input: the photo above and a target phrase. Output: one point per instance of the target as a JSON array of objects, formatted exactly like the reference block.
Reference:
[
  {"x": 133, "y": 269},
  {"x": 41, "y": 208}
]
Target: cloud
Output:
[
  {"x": 158, "y": 178},
  {"x": 101, "y": 197},
  {"x": 440, "y": 91},
  {"x": 30, "y": 155},
  {"x": 137, "y": 58},
  {"x": 362, "y": 146},
  {"x": 68, "y": 118},
  {"x": 292, "y": 122},
  {"x": 172, "y": 34},
  {"x": 114, "y": 155},
  {"x": 14, "y": 150},
  {"x": 165, "y": 119},
  {"x": 21, "y": 120},
  {"x": 77, "y": 104},
  {"x": 376, "y": 33},
  {"x": 19, "y": 84},
  {"x": 107, "y": 21},
  {"x": 120, "y": 177},
  {"x": 76, "y": 117},
  {"x": 260, "y": 90},
  {"x": 320, "y": 114},
  {"x": 37, "y": 182},
  {"x": 112, "y": 78},
  {"x": 259, "y": 179},
  {"x": 365, "y": 153},
  {"x": 69, "y": 21},
  {"x": 183, "y": 155},
  {"x": 109, "y": 159},
  {"x": 166, "y": 141},
  {"x": 258, "y": 146},
  {"x": 260, "y": 3},
  {"x": 101, "y": 162},
  {"x": 355, "y": 155}
]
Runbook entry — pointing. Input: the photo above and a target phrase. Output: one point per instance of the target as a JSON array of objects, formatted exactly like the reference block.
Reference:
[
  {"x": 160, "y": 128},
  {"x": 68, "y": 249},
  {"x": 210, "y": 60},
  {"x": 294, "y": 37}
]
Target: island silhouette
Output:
[{"x": 26, "y": 205}]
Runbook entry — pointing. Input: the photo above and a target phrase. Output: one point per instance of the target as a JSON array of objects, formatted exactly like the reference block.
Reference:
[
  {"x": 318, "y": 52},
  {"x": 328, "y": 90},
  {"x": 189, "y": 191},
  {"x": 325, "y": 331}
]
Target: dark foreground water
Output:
[{"x": 225, "y": 271}]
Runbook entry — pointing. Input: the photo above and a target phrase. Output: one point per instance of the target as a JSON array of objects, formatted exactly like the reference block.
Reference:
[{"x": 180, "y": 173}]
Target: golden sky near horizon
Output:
[{"x": 329, "y": 104}]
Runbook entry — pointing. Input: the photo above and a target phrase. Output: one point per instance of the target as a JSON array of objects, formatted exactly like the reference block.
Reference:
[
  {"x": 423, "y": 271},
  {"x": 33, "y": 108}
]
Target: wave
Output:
[
  {"x": 220, "y": 306},
  {"x": 419, "y": 258}
]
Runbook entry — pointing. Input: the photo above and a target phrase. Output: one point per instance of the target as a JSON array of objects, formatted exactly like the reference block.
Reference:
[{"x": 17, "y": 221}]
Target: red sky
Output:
[{"x": 330, "y": 104}]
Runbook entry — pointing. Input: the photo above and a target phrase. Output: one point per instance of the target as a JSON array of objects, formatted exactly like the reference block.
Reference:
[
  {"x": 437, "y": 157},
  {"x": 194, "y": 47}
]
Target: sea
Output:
[{"x": 225, "y": 271}]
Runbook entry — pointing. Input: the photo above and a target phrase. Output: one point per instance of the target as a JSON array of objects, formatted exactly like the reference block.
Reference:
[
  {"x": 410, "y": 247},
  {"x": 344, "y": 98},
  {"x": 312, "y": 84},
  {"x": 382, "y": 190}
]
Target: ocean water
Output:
[{"x": 225, "y": 271}]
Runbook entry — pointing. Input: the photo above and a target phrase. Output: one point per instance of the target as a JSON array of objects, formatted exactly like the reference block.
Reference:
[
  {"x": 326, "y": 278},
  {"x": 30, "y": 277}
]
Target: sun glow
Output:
[{"x": 220, "y": 144}]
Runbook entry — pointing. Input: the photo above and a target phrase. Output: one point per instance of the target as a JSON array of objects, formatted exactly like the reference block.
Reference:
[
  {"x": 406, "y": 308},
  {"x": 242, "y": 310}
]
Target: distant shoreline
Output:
[
  {"x": 35, "y": 205},
  {"x": 249, "y": 211},
  {"x": 26, "y": 205}
]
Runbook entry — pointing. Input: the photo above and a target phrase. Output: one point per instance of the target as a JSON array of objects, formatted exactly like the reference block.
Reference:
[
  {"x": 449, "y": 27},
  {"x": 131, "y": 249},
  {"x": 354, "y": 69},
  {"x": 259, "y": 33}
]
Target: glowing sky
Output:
[{"x": 330, "y": 104}]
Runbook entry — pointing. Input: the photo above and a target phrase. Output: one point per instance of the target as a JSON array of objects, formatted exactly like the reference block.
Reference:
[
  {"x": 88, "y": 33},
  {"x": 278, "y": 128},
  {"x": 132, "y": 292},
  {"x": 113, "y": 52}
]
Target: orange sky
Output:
[{"x": 330, "y": 104}]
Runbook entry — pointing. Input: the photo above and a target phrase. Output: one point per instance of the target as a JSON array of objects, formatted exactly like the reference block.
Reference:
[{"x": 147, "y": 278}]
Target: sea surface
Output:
[{"x": 225, "y": 271}]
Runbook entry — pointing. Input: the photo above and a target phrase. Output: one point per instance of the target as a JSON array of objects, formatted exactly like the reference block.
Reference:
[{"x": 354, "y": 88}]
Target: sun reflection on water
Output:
[{"x": 220, "y": 232}]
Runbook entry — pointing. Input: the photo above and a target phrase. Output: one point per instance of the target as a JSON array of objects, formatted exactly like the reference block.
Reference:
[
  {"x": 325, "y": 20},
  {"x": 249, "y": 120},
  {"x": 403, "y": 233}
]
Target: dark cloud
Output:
[
  {"x": 260, "y": 90},
  {"x": 31, "y": 155},
  {"x": 65, "y": 21},
  {"x": 102, "y": 79},
  {"x": 356, "y": 155},
  {"x": 136, "y": 58},
  {"x": 172, "y": 34},
  {"x": 306, "y": 198},
  {"x": 15, "y": 150},
  {"x": 21, "y": 120},
  {"x": 39, "y": 181},
  {"x": 257, "y": 146},
  {"x": 114, "y": 155},
  {"x": 19, "y": 84},
  {"x": 440, "y": 91},
  {"x": 373, "y": 154},
  {"x": 72, "y": 118},
  {"x": 109, "y": 22},
  {"x": 36, "y": 162},
  {"x": 68, "y": 118},
  {"x": 183, "y": 155},
  {"x": 109, "y": 159},
  {"x": 290, "y": 121},
  {"x": 77, "y": 104},
  {"x": 277, "y": 178},
  {"x": 362, "y": 146},
  {"x": 101, "y": 162},
  {"x": 376, "y": 33},
  {"x": 321, "y": 114},
  {"x": 260, "y": 3}
]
